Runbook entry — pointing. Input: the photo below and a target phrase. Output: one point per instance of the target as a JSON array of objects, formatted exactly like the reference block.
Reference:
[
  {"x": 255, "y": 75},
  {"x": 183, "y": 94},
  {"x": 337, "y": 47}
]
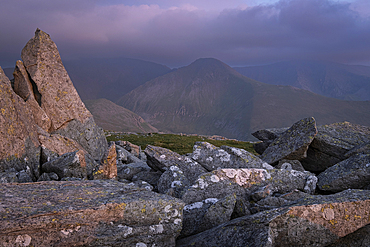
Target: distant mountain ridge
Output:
[
  {"x": 209, "y": 97},
  {"x": 347, "y": 82}
]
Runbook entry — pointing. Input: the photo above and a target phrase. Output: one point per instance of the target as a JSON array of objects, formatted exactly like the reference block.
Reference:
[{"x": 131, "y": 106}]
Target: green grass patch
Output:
[{"x": 180, "y": 144}]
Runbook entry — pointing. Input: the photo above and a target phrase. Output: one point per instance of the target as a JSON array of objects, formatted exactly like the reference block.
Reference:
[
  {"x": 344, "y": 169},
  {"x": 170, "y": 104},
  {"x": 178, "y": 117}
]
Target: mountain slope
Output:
[
  {"x": 110, "y": 116},
  {"x": 208, "y": 97},
  {"x": 347, "y": 82},
  {"x": 111, "y": 78}
]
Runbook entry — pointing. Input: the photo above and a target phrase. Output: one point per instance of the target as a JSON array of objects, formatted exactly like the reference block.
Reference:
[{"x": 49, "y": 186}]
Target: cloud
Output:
[{"x": 178, "y": 34}]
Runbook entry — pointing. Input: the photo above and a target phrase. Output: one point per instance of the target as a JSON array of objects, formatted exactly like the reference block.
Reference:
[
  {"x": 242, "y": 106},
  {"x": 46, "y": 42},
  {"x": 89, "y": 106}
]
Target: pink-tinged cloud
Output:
[{"x": 178, "y": 34}]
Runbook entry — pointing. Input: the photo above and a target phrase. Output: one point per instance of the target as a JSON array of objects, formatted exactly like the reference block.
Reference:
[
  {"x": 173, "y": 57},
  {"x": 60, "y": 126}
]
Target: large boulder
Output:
[
  {"x": 293, "y": 143},
  {"x": 212, "y": 157},
  {"x": 87, "y": 213},
  {"x": 19, "y": 145},
  {"x": 352, "y": 173},
  {"x": 332, "y": 143},
  {"x": 314, "y": 221},
  {"x": 57, "y": 97}
]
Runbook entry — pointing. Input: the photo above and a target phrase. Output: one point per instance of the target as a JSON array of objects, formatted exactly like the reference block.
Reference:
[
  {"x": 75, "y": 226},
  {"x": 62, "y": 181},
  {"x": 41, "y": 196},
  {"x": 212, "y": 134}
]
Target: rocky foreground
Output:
[{"x": 62, "y": 184}]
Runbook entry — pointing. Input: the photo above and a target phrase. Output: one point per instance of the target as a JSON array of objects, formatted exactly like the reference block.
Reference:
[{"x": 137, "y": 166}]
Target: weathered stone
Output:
[
  {"x": 267, "y": 136},
  {"x": 132, "y": 148},
  {"x": 19, "y": 146},
  {"x": 57, "y": 96},
  {"x": 315, "y": 221},
  {"x": 24, "y": 176},
  {"x": 57, "y": 144},
  {"x": 293, "y": 143},
  {"x": 359, "y": 238},
  {"x": 360, "y": 149},
  {"x": 125, "y": 156},
  {"x": 27, "y": 90},
  {"x": 9, "y": 176},
  {"x": 108, "y": 167},
  {"x": 352, "y": 173},
  {"x": 290, "y": 165},
  {"x": 76, "y": 164},
  {"x": 127, "y": 171},
  {"x": 87, "y": 134},
  {"x": 162, "y": 159},
  {"x": 243, "y": 182},
  {"x": 173, "y": 182},
  {"x": 87, "y": 213},
  {"x": 48, "y": 177},
  {"x": 204, "y": 215},
  {"x": 151, "y": 177},
  {"x": 142, "y": 184},
  {"x": 331, "y": 144},
  {"x": 212, "y": 157}
]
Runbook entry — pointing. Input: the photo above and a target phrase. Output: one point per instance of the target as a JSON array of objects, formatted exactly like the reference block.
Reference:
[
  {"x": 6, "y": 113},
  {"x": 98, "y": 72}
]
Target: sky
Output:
[{"x": 177, "y": 32}]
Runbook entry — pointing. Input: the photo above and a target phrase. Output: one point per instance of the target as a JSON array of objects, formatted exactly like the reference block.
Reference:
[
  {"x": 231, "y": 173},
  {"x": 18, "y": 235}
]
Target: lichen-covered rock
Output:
[
  {"x": 87, "y": 213},
  {"x": 212, "y": 157},
  {"x": 332, "y": 143},
  {"x": 290, "y": 165},
  {"x": 352, "y": 173},
  {"x": 360, "y": 149},
  {"x": 314, "y": 221},
  {"x": 173, "y": 182},
  {"x": 19, "y": 145},
  {"x": 57, "y": 97},
  {"x": 76, "y": 164},
  {"x": 127, "y": 171},
  {"x": 243, "y": 182},
  {"x": 162, "y": 159},
  {"x": 293, "y": 143},
  {"x": 108, "y": 167},
  {"x": 204, "y": 215}
]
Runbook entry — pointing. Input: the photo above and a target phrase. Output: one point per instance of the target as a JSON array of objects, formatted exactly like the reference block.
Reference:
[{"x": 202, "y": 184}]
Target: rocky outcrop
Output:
[
  {"x": 42, "y": 116},
  {"x": 44, "y": 79},
  {"x": 88, "y": 213}
]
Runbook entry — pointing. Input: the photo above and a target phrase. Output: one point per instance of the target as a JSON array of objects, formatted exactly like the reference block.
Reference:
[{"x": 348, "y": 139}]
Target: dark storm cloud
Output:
[{"x": 295, "y": 29}]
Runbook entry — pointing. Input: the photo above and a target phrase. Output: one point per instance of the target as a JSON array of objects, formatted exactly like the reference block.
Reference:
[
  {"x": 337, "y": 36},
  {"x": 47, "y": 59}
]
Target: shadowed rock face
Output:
[{"x": 19, "y": 146}]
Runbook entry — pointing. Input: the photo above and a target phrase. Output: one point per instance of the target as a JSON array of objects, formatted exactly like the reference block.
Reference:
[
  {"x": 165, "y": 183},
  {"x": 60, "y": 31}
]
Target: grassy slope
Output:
[{"x": 178, "y": 143}]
